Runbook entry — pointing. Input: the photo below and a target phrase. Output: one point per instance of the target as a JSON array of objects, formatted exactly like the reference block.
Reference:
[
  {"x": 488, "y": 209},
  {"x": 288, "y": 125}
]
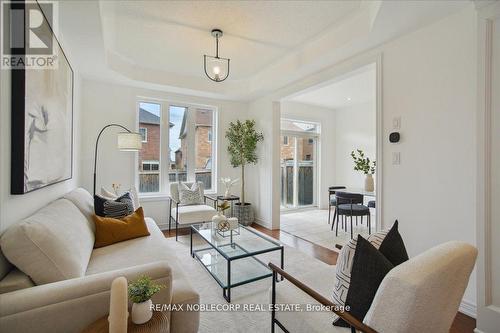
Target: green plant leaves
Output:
[
  {"x": 362, "y": 163},
  {"x": 143, "y": 289},
  {"x": 243, "y": 139}
]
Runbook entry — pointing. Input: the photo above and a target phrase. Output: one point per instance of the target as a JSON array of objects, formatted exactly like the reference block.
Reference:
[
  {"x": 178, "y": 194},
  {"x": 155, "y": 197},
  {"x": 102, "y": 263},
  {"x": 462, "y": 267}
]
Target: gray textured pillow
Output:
[{"x": 190, "y": 196}]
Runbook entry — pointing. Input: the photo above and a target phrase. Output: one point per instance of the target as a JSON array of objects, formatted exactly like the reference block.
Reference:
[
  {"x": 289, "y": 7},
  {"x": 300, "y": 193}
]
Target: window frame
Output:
[
  {"x": 145, "y": 140},
  {"x": 164, "y": 167}
]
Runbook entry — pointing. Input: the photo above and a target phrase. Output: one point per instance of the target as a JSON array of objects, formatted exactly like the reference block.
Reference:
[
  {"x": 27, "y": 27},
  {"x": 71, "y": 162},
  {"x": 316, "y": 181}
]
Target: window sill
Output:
[{"x": 154, "y": 197}]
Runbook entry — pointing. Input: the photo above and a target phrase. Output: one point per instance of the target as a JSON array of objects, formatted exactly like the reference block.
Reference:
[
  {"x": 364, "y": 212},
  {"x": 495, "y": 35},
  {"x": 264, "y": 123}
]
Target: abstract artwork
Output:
[{"x": 42, "y": 124}]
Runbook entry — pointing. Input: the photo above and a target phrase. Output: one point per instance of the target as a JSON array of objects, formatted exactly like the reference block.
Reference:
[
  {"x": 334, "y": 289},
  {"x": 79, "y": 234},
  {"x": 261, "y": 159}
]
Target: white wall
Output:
[
  {"x": 16, "y": 207},
  {"x": 326, "y": 117},
  {"x": 263, "y": 189},
  {"x": 355, "y": 129},
  {"x": 429, "y": 79},
  {"x": 104, "y": 103}
]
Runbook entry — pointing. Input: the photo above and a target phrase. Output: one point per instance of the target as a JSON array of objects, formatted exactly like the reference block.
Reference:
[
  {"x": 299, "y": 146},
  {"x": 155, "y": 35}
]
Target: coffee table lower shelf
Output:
[{"x": 231, "y": 273}]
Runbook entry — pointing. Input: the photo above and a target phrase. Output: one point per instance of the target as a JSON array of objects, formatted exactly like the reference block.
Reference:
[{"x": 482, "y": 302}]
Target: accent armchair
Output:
[
  {"x": 420, "y": 295},
  {"x": 190, "y": 214}
]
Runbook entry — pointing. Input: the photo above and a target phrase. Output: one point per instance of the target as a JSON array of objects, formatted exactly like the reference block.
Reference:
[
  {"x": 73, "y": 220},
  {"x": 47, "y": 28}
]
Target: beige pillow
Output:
[{"x": 53, "y": 244}]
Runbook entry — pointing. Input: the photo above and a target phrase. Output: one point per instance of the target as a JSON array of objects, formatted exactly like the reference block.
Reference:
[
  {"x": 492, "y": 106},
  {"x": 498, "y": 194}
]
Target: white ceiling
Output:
[
  {"x": 354, "y": 88},
  {"x": 160, "y": 44},
  {"x": 174, "y": 35}
]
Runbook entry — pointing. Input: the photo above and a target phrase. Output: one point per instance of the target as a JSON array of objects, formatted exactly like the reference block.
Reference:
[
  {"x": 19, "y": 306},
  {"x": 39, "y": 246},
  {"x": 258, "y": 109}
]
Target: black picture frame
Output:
[{"x": 19, "y": 114}]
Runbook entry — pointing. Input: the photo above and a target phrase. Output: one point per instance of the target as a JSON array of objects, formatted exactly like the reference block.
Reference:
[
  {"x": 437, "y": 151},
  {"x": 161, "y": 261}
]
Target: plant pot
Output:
[
  {"x": 142, "y": 312},
  {"x": 244, "y": 213},
  {"x": 369, "y": 184}
]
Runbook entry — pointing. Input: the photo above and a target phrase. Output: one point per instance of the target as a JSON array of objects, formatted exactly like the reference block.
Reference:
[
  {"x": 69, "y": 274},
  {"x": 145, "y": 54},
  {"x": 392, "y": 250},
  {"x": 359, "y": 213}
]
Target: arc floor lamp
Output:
[{"x": 127, "y": 141}]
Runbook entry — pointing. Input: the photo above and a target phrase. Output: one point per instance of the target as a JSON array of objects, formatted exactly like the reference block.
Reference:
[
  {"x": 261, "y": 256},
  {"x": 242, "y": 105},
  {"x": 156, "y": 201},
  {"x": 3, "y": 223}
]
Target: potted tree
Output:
[
  {"x": 242, "y": 149},
  {"x": 363, "y": 164},
  {"x": 140, "y": 293}
]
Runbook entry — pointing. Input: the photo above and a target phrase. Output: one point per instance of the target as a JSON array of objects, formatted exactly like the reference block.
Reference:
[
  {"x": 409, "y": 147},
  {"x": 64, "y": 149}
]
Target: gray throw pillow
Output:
[{"x": 190, "y": 196}]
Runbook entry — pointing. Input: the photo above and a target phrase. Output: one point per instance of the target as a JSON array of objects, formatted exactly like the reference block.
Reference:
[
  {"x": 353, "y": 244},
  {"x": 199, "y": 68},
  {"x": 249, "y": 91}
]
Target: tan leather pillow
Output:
[{"x": 109, "y": 230}]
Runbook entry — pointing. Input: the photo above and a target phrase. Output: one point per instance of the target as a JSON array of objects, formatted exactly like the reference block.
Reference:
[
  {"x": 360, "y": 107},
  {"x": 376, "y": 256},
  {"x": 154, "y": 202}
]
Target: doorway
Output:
[
  {"x": 335, "y": 118},
  {"x": 299, "y": 163}
]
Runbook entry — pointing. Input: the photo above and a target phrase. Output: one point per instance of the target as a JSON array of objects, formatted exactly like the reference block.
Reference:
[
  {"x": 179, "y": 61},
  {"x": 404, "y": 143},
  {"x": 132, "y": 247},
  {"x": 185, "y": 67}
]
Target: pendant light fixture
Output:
[{"x": 216, "y": 68}]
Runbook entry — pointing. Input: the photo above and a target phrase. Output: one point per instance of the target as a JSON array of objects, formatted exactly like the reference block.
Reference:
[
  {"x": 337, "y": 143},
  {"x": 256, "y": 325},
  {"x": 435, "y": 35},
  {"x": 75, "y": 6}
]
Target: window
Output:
[
  {"x": 144, "y": 134},
  {"x": 310, "y": 141},
  {"x": 150, "y": 166},
  {"x": 203, "y": 146},
  {"x": 149, "y": 155},
  {"x": 188, "y": 134},
  {"x": 285, "y": 140}
]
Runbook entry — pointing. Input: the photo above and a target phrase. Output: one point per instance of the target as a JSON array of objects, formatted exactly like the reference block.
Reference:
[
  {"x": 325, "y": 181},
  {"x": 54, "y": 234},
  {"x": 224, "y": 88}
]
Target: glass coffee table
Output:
[{"x": 231, "y": 258}]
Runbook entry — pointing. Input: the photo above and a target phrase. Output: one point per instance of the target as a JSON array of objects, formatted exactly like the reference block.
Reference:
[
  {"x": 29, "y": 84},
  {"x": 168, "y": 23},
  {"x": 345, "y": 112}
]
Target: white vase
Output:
[
  {"x": 369, "y": 184},
  {"x": 227, "y": 193},
  {"x": 142, "y": 312}
]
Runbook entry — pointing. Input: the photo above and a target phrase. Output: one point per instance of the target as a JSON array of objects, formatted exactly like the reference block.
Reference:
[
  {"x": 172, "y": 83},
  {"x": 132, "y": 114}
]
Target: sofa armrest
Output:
[{"x": 71, "y": 305}]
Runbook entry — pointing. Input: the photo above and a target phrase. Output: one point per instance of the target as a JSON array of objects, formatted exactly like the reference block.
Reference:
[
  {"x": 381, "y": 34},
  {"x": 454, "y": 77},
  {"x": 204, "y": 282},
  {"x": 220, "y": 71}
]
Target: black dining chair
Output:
[
  {"x": 332, "y": 202},
  {"x": 349, "y": 205}
]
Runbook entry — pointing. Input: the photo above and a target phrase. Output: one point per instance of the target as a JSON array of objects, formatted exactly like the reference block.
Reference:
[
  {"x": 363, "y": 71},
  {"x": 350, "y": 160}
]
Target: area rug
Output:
[
  {"x": 296, "y": 263},
  {"x": 312, "y": 225}
]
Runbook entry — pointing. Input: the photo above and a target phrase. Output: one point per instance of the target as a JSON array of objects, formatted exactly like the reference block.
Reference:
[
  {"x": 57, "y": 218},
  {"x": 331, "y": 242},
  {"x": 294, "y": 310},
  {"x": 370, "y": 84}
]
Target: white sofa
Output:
[
  {"x": 67, "y": 285},
  {"x": 420, "y": 295}
]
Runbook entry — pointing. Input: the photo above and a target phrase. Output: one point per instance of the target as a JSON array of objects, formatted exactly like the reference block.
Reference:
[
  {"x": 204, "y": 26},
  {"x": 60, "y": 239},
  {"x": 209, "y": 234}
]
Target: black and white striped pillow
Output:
[{"x": 118, "y": 208}]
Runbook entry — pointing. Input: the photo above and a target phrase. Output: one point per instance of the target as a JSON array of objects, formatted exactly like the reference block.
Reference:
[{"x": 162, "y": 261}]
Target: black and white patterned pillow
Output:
[
  {"x": 388, "y": 242},
  {"x": 190, "y": 196},
  {"x": 117, "y": 208}
]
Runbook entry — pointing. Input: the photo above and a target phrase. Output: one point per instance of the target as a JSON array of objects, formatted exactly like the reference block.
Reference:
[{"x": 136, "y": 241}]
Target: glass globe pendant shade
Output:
[{"x": 216, "y": 68}]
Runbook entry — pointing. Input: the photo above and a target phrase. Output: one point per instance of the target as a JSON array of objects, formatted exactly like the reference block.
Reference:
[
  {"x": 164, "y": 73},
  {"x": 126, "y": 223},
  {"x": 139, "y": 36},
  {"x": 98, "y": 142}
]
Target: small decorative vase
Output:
[
  {"x": 216, "y": 219},
  {"x": 142, "y": 312},
  {"x": 227, "y": 193},
  {"x": 369, "y": 185}
]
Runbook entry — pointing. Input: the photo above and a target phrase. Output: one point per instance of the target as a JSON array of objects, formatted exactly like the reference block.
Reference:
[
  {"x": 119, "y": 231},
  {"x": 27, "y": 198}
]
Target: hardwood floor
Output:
[{"x": 461, "y": 324}]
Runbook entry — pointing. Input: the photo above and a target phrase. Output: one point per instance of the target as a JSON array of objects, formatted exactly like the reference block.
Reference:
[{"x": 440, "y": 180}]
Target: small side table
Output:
[
  {"x": 231, "y": 198},
  {"x": 158, "y": 324}
]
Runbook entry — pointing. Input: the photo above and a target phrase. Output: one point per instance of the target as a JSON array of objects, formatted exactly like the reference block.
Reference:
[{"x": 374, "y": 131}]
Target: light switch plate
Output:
[
  {"x": 396, "y": 123},
  {"x": 396, "y": 158}
]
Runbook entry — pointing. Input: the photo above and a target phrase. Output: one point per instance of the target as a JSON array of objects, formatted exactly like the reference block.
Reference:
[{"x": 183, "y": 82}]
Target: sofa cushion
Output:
[
  {"x": 132, "y": 252},
  {"x": 15, "y": 280},
  {"x": 109, "y": 230},
  {"x": 53, "y": 244},
  {"x": 82, "y": 199},
  {"x": 5, "y": 266},
  {"x": 194, "y": 214}
]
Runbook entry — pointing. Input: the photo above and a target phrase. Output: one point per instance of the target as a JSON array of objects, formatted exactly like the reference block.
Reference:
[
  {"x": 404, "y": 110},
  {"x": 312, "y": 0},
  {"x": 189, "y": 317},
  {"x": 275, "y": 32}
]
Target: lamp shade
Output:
[{"x": 129, "y": 141}]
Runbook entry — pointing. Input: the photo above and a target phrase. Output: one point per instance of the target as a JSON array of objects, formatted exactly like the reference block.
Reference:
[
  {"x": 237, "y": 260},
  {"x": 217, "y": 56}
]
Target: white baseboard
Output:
[
  {"x": 468, "y": 308},
  {"x": 263, "y": 223},
  {"x": 478, "y": 331}
]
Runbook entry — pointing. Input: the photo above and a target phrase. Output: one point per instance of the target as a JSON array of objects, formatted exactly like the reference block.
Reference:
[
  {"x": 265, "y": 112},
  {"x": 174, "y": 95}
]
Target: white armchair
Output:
[{"x": 180, "y": 214}]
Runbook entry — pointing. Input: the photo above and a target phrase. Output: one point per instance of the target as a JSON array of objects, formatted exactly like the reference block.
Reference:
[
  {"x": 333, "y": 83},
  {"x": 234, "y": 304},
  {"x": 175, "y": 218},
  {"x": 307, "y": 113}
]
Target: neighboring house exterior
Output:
[
  {"x": 149, "y": 128},
  {"x": 203, "y": 140},
  {"x": 305, "y": 146}
]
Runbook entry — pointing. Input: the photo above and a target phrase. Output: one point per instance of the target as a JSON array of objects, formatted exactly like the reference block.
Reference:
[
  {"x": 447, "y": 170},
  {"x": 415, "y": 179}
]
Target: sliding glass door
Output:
[{"x": 299, "y": 147}]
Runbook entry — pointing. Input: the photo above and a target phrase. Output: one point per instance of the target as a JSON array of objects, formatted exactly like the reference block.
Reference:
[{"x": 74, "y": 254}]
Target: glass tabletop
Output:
[{"x": 247, "y": 242}]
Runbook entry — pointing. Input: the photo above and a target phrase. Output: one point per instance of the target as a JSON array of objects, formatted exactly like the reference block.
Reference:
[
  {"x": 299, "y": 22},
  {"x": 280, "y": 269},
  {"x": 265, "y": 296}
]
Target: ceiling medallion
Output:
[{"x": 216, "y": 68}]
